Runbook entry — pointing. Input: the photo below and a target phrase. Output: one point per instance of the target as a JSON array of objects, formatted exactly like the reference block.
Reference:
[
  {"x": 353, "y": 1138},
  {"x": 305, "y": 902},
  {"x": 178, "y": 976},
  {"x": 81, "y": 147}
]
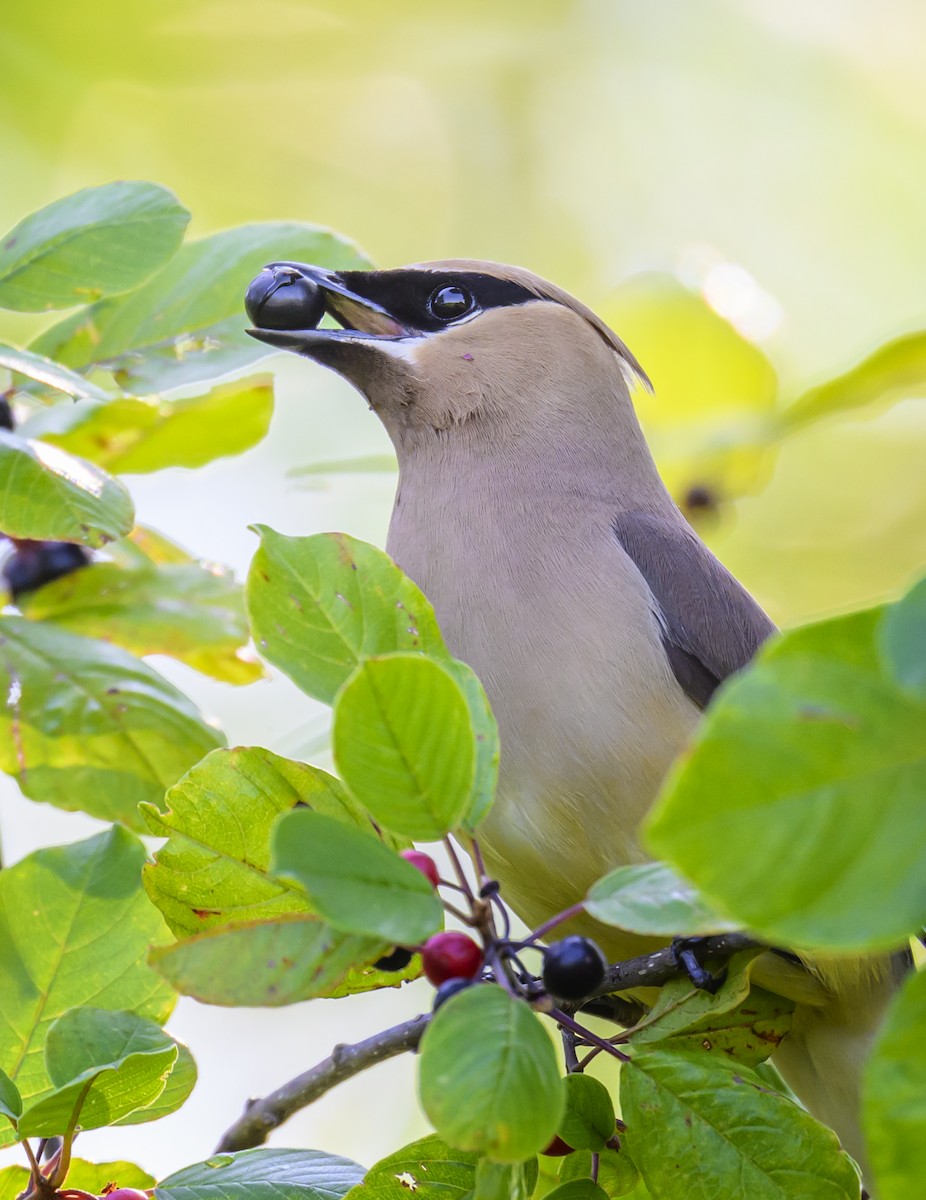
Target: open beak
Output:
[{"x": 287, "y": 300}]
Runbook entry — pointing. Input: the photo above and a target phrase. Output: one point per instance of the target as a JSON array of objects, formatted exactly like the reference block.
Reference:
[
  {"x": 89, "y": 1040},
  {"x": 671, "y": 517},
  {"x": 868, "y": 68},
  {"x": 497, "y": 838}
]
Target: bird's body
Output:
[
  {"x": 574, "y": 759},
  {"x": 530, "y": 512}
]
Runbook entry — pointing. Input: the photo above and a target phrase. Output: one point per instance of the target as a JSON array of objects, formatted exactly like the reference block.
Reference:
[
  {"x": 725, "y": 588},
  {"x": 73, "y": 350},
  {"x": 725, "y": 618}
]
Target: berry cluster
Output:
[{"x": 573, "y": 967}]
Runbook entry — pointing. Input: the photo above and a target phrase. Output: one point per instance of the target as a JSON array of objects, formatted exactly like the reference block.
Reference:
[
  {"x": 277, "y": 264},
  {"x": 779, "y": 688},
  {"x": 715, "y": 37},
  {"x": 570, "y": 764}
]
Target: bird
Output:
[{"x": 530, "y": 512}]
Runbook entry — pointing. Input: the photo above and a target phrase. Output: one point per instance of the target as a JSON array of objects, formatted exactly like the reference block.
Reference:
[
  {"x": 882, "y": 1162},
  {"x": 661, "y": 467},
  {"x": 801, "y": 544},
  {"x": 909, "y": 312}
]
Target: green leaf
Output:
[
  {"x": 588, "y": 1120},
  {"x": 11, "y": 1103},
  {"x": 95, "y": 243},
  {"x": 505, "y": 1181},
  {"x": 894, "y": 370},
  {"x": 134, "y": 436},
  {"x": 88, "y": 726},
  {"x": 263, "y": 1175},
  {"x": 187, "y": 322},
  {"x": 404, "y": 744},
  {"x": 89, "y": 1177},
  {"x": 741, "y": 1021},
  {"x": 578, "y": 1189},
  {"x": 93, "y": 1177},
  {"x": 801, "y": 796},
  {"x": 51, "y": 374},
  {"x": 320, "y": 605},
  {"x": 429, "y": 1168},
  {"x": 651, "y": 898},
  {"x": 104, "y": 1065},
  {"x": 84, "y": 1039},
  {"x": 144, "y": 544},
  {"x": 712, "y": 1129},
  {"x": 617, "y": 1173},
  {"x": 85, "y": 943},
  {"x": 266, "y": 963},
  {"x": 192, "y": 611},
  {"x": 180, "y": 1083},
  {"x": 47, "y": 493},
  {"x": 214, "y": 870},
  {"x": 13, "y": 1180},
  {"x": 489, "y": 1080},
  {"x": 485, "y": 735},
  {"x": 355, "y": 882},
  {"x": 894, "y": 1097},
  {"x": 902, "y": 640}
]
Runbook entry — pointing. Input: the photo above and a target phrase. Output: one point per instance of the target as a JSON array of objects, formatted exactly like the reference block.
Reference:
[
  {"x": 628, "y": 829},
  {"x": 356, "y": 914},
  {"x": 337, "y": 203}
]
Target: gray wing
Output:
[{"x": 711, "y": 626}]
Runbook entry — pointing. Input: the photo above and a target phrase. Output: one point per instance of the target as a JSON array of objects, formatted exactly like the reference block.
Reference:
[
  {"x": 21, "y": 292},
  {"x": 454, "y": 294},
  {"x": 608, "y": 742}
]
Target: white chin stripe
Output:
[{"x": 404, "y": 349}]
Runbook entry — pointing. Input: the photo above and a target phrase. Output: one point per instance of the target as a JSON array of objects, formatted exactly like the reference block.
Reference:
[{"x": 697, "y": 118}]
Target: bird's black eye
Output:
[{"x": 448, "y": 303}]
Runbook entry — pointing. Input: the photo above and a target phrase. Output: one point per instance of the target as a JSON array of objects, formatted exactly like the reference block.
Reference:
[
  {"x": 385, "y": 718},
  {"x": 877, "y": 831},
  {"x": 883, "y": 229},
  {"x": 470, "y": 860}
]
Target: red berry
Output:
[
  {"x": 423, "y": 863},
  {"x": 126, "y": 1194},
  {"x": 450, "y": 955},
  {"x": 557, "y": 1148}
]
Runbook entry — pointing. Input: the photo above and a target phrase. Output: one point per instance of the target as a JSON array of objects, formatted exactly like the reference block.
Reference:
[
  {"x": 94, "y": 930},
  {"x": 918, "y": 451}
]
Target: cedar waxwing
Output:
[{"x": 531, "y": 514}]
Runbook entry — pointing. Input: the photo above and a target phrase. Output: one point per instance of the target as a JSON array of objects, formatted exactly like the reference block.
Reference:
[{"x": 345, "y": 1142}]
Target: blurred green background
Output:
[{"x": 736, "y": 184}]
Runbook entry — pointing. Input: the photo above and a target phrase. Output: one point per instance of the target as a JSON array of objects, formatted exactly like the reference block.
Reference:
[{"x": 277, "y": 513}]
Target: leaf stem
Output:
[
  {"x": 542, "y": 930},
  {"x": 458, "y": 870},
  {"x": 34, "y": 1182},
  {"x": 476, "y": 851},
  {"x": 566, "y": 1022},
  {"x": 460, "y": 915}
]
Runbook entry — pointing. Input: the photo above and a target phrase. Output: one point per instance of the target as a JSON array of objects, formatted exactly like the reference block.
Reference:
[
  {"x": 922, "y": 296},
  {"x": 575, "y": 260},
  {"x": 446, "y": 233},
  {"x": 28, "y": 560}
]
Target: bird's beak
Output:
[{"x": 326, "y": 293}]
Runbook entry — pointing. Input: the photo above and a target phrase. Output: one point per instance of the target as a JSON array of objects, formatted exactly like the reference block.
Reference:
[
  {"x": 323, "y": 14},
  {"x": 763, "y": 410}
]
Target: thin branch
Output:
[
  {"x": 653, "y": 970},
  {"x": 618, "y": 1009},
  {"x": 261, "y": 1117},
  {"x": 569, "y": 1050}
]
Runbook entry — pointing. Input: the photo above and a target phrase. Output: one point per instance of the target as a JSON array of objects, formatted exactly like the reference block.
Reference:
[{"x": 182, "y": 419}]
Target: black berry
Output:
[
  {"x": 35, "y": 563},
  {"x": 448, "y": 989},
  {"x": 396, "y": 960},
  {"x": 281, "y": 298},
  {"x": 573, "y": 967}
]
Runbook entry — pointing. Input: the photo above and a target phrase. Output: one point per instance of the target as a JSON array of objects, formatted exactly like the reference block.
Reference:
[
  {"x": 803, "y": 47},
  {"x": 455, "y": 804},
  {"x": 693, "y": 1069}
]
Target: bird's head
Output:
[{"x": 452, "y": 345}]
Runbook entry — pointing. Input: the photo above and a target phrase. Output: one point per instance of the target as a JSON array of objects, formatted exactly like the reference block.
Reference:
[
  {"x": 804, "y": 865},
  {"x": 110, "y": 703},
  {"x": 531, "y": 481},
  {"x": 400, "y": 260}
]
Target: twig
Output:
[
  {"x": 569, "y": 1050},
  {"x": 610, "y": 1008},
  {"x": 261, "y": 1117},
  {"x": 653, "y": 970}
]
